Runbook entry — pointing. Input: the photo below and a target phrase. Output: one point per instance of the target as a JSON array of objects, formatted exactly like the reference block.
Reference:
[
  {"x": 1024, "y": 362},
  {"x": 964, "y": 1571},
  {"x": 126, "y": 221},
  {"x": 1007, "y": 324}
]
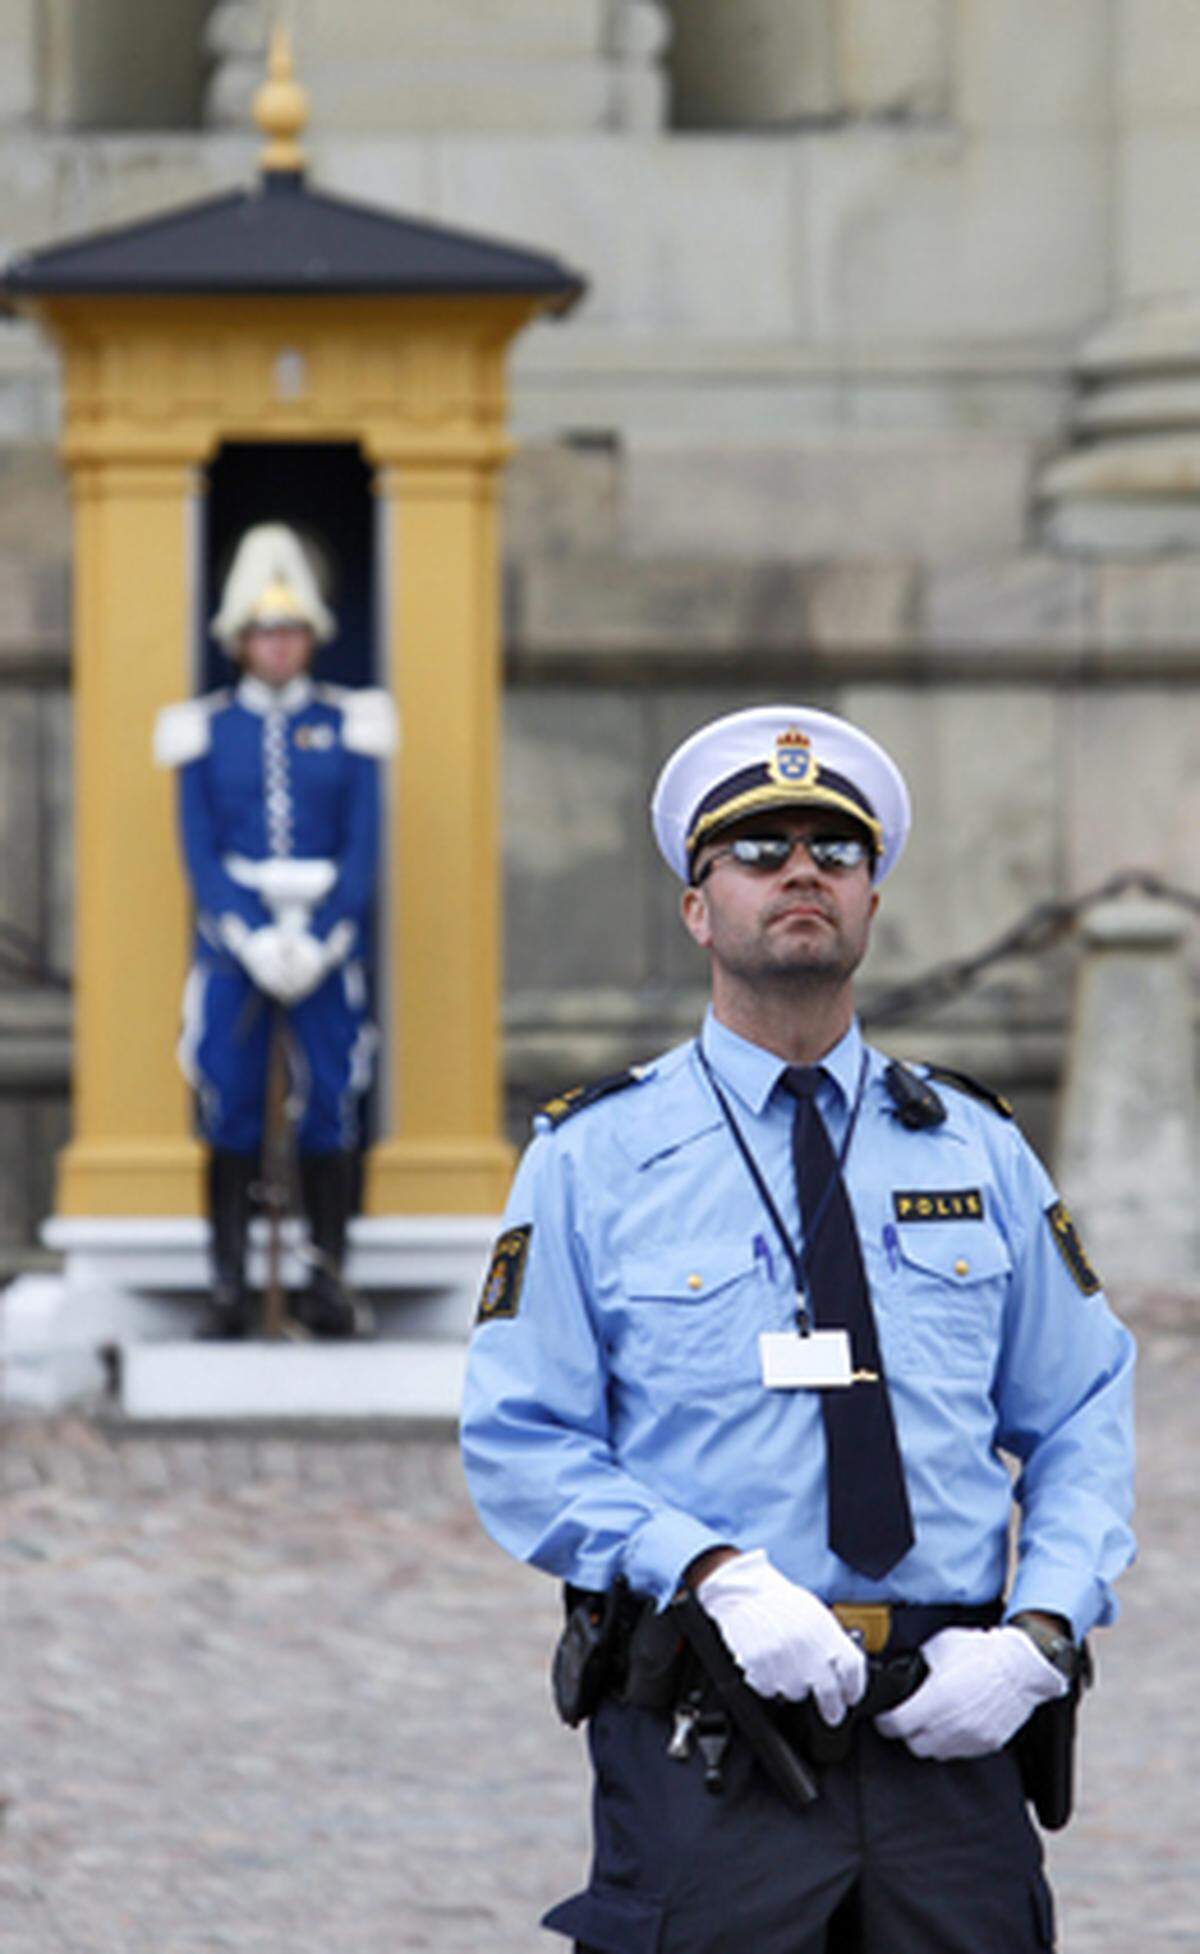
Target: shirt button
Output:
[
  {"x": 695, "y": 1282},
  {"x": 962, "y": 1268}
]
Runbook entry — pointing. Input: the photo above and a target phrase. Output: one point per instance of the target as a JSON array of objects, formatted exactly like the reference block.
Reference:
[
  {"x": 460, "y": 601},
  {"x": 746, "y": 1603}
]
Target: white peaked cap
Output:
[
  {"x": 777, "y": 756},
  {"x": 271, "y": 555}
]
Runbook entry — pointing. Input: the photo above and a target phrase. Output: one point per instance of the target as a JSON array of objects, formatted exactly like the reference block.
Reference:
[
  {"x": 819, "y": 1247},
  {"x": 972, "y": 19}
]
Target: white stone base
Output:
[
  {"x": 139, "y": 1287},
  {"x": 203, "y": 1381}
]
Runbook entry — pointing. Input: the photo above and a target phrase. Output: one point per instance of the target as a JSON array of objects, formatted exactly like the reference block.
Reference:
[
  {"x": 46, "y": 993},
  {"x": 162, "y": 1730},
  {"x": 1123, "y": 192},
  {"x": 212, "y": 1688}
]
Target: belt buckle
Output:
[{"x": 871, "y": 1621}]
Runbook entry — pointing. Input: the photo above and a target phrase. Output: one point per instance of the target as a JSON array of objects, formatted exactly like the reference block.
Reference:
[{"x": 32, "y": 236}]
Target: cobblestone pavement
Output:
[{"x": 277, "y": 1695}]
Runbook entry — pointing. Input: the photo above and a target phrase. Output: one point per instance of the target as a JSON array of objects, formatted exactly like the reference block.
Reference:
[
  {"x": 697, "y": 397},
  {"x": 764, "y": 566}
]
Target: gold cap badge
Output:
[{"x": 793, "y": 763}]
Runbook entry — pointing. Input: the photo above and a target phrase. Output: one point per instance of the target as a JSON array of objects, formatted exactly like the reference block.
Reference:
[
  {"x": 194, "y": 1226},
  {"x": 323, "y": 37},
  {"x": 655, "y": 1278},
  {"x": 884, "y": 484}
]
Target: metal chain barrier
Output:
[
  {"x": 1037, "y": 931},
  {"x": 21, "y": 961}
]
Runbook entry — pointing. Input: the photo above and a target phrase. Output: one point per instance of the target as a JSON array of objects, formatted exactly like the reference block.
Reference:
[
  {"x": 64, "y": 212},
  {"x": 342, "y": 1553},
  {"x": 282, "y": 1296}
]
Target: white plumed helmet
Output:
[{"x": 271, "y": 581}]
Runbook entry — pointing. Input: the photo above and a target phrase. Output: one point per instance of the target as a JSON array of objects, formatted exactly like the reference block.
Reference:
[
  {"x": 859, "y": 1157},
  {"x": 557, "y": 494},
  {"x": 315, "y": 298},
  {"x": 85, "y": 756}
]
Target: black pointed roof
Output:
[{"x": 281, "y": 237}]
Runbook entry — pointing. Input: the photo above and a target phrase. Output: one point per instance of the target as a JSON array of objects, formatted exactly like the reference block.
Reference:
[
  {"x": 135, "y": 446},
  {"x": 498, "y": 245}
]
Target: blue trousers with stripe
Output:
[{"x": 225, "y": 1045}]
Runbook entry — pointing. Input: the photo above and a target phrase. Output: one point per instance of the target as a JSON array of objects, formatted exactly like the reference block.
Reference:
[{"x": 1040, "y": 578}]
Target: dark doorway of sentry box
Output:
[{"x": 322, "y": 489}]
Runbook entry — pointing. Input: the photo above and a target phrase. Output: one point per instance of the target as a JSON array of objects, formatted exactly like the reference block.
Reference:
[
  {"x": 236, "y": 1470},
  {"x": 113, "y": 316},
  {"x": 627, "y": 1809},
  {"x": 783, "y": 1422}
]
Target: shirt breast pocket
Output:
[
  {"x": 693, "y": 1316},
  {"x": 953, "y": 1284}
]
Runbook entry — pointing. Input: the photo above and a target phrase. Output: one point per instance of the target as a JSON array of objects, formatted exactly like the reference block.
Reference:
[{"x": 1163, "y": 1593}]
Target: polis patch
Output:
[
  {"x": 1070, "y": 1247},
  {"x": 506, "y": 1272},
  {"x": 938, "y": 1204}
]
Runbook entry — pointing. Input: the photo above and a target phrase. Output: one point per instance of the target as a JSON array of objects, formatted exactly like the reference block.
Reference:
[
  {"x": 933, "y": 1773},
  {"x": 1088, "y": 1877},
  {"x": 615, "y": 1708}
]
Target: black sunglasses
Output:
[{"x": 833, "y": 854}]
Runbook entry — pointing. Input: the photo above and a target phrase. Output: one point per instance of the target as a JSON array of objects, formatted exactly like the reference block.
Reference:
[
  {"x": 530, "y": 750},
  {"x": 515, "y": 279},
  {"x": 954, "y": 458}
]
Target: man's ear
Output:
[{"x": 693, "y": 907}]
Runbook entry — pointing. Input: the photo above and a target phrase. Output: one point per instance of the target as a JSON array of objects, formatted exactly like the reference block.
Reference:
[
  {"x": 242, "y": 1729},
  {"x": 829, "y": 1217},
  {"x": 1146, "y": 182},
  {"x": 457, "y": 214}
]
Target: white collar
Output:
[{"x": 259, "y": 697}]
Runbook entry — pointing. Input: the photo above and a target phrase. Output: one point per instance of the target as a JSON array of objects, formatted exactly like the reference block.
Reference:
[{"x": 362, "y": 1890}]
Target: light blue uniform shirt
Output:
[{"x": 617, "y": 1423}]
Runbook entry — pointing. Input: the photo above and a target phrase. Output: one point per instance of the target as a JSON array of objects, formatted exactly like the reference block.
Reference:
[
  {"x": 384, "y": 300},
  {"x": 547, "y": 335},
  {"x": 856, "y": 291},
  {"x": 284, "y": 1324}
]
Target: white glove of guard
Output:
[
  {"x": 306, "y": 965},
  {"x": 786, "y": 1642},
  {"x": 982, "y": 1685},
  {"x": 263, "y": 952}
]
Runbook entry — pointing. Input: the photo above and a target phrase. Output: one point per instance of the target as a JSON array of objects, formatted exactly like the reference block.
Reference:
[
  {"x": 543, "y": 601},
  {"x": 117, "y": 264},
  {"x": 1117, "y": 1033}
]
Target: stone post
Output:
[{"x": 1129, "y": 1142}]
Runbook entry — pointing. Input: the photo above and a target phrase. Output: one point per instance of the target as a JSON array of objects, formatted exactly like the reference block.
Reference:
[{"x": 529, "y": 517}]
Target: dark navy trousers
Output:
[{"x": 897, "y": 1856}]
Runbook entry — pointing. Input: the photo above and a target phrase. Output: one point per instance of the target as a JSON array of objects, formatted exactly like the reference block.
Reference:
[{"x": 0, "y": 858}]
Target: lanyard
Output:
[{"x": 800, "y": 1254}]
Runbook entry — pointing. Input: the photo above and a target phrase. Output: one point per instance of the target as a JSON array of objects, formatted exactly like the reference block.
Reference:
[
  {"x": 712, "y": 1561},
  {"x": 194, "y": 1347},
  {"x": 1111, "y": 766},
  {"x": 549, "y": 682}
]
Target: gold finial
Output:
[{"x": 281, "y": 109}]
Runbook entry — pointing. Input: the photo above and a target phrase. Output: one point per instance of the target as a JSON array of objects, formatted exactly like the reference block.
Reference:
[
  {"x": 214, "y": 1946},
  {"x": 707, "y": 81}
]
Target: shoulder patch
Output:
[
  {"x": 182, "y": 733},
  {"x": 1069, "y": 1246},
  {"x": 946, "y": 1075},
  {"x": 564, "y": 1104},
  {"x": 501, "y": 1295}
]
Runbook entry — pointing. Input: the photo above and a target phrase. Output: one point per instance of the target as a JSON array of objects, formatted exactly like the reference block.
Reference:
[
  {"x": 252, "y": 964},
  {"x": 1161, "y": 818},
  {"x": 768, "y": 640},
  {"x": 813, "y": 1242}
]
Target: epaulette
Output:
[
  {"x": 369, "y": 722},
  {"x": 564, "y": 1104},
  {"x": 965, "y": 1083},
  {"x": 182, "y": 733}
]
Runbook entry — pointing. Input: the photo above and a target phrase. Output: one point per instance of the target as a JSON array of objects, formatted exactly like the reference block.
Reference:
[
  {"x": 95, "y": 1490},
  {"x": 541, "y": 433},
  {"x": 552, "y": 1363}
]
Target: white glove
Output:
[
  {"x": 982, "y": 1685},
  {"x": 305, "y": 965},
  {"x": 287, "y": 963},
  {"x": 263, "y": 952},
  {"x": 786, "y": 1641}
]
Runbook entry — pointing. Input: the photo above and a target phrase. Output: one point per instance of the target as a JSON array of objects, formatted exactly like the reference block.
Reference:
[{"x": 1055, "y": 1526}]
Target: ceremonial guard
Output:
[
  {"x": 279, "y": 813},
  {"x": 775, "y": 1335}
]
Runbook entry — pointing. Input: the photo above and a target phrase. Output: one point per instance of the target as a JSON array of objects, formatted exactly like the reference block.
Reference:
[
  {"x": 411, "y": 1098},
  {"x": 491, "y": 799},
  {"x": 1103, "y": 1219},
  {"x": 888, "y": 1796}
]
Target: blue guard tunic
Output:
[{"x": 265, "y": 777}]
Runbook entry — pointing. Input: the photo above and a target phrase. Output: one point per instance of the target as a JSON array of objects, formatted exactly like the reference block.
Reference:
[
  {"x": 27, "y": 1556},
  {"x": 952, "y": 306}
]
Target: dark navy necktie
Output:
[{"x": 870, "y": 1522}]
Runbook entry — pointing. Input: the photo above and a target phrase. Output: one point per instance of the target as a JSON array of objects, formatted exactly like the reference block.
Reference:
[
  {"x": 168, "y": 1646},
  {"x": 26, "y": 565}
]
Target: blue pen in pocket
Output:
[
  {"x": 891, "y": 1243},
  {"x": 762, "y": 1253}
]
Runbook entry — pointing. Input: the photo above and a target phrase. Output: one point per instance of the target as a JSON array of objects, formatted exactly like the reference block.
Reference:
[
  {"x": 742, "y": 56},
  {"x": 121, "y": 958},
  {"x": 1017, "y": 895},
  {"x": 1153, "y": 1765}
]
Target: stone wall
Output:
[
  {"x": 1042, "y": 710},
  {"x": 800, "y": 439}
]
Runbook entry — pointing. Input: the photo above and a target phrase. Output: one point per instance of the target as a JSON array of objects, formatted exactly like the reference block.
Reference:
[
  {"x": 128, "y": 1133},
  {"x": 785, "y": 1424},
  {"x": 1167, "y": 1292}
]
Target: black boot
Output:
[
  {"x": 230, "y": 1179},
  {"x": 327, "y": 1307}
]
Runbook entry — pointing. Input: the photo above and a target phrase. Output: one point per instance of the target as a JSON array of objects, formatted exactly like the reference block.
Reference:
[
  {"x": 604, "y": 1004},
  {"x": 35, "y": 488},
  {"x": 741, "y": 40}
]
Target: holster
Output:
[
  {"x": 1044, "y": 1748},
  {"x": 891, "y": 1680},
  {"x": 615, "y": 1644}
]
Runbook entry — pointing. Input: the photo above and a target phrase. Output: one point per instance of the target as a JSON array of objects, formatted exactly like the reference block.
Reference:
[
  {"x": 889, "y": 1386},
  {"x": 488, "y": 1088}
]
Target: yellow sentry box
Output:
[{"x": 279, "y": 315}]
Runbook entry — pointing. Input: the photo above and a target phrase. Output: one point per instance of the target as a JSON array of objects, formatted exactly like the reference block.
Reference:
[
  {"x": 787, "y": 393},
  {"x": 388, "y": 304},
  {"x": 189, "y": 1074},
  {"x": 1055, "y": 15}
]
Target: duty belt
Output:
[{"x": 898, "y": 1627}]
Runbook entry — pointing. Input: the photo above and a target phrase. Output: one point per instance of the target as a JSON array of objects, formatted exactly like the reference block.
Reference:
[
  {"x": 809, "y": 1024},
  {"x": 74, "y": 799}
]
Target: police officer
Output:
[
  {"x": 279, "y": 823},
  {"x": 763, "y": 1318}
]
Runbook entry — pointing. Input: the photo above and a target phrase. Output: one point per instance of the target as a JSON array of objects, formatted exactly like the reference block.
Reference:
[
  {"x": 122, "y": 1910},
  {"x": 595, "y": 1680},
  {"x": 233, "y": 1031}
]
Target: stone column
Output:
[
  {"x": 18, "y": 62},
  {"x": 1129, "y": 1145},
  {"x": 529, "y": 66},
  {"x": 117, "y": 64},
  {"x": 1130, "y": 482},
  {"x": 763, "y": 64}
]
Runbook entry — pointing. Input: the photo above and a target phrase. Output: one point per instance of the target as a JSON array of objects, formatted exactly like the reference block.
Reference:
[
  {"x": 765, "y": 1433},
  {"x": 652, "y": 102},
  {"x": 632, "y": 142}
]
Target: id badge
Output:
[{"x": 816, "y": 1362}]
